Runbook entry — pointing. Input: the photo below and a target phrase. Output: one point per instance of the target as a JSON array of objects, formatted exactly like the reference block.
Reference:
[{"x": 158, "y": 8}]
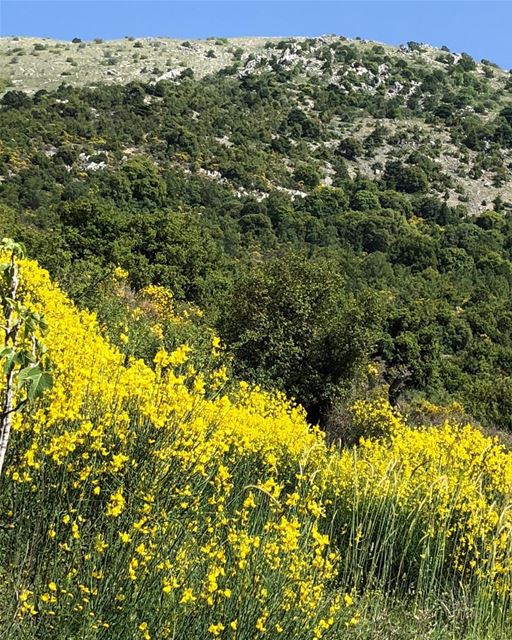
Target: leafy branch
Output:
[{"x": 22, "y": 357}]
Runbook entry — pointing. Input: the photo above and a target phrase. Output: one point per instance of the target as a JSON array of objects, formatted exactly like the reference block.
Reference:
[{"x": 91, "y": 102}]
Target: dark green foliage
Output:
[
  {"x": 466, "y": 62},
  {"x": 190, "y": 184},
  {"x": 409, "y": 179},
  {"x": 365, "y": 201},
  {"x": 307, "y": 175},
  {"x": 349, "y": 149},
  {"x": 15, "y": 99},
  {"x": 292, "y": 322}
]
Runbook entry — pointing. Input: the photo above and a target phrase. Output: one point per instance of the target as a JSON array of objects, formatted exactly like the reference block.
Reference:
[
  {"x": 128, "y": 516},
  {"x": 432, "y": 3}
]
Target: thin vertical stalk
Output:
[{"x": 11, "y": 334}]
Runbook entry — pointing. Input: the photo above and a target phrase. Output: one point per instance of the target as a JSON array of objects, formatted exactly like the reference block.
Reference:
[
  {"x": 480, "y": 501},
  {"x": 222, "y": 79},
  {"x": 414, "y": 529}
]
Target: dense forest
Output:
[{"x": 251, "y": 193}]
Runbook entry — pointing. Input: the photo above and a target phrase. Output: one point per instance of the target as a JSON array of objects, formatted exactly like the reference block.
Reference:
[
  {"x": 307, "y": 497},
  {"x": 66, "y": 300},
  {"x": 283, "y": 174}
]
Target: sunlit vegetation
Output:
[
  {"x": 258, "y": 382},
  {"x": 152, "y": 502},
  {"x": 173, "y": 183}
]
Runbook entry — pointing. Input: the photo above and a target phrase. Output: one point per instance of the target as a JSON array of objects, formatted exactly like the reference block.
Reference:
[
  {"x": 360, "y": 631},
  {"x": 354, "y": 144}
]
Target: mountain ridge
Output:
[
  {"x": 10, "y": 45},
  {"x": 407, "y": 79}
]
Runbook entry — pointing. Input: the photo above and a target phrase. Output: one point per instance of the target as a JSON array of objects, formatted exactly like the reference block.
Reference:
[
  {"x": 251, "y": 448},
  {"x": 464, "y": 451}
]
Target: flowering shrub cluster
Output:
[
  {"x": 143, "y": 503},
  {"x": 155, "y": 506},
  {"x": 446, "y": 491}
]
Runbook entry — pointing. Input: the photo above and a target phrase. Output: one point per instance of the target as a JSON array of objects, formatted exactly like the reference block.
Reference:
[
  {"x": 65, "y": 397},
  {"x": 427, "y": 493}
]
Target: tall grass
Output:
[
  {"x": 407, "y": 551},
  {"x": 220, "y": 546}
]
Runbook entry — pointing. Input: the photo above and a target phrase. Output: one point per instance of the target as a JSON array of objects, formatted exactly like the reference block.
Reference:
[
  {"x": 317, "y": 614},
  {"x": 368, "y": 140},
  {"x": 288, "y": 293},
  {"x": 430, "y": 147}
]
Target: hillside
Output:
[
  {"x": 427, "y": 81},
  {"x": 330, "y": 205},
  {"x": 148, "y": 502},
  {"x": 256, "y": 324}
]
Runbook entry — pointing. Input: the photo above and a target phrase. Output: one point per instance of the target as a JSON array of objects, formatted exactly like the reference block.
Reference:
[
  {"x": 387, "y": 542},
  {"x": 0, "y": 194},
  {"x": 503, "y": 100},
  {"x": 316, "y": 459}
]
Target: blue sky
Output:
[{"x": 481, "y": 28}]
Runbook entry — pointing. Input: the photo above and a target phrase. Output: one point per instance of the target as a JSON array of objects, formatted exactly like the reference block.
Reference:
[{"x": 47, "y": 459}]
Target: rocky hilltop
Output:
[{"x": 383, "y": 102}]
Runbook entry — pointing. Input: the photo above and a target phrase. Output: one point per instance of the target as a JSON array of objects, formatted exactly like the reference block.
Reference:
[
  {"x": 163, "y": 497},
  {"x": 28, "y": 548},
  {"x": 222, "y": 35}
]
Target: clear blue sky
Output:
[{"x": 481, "y": 28}]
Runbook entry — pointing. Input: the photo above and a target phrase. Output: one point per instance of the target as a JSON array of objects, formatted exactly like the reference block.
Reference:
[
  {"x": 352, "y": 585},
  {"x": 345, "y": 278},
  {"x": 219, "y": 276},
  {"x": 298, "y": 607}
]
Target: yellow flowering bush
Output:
[
  {"x": 433, "y": 504},
  {"x": 146, "y": 502},
  {"x": 160, "y": 509}
]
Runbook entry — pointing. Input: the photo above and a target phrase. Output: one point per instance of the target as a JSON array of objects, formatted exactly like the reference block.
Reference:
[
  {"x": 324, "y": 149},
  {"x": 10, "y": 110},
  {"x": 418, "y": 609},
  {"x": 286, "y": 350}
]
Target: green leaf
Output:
[
  {"x": 41, "y": 348},
  {"x": 38, "y": 381},
  {"x": 9, "y": 354},
  {"x": 24, "y": 358},
  {"x": 8, "y": 244}
]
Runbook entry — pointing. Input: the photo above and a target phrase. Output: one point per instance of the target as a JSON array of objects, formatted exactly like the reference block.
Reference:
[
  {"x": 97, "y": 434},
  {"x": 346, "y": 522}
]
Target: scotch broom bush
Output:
[{"x": 142, "y": 503}]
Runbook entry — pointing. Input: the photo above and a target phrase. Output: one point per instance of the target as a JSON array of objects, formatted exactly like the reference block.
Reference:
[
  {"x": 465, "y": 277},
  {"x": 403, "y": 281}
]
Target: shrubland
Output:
[
  {"x": 154, "y": 502},
  {"x": 318, "y": 233}
]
